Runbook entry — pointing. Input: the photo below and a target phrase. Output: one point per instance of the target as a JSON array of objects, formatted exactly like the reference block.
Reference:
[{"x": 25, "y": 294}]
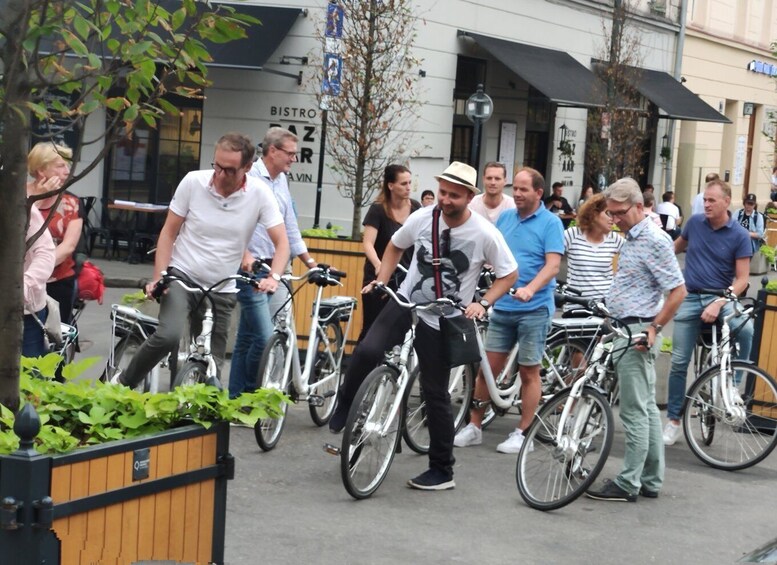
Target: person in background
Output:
[
  {"x": 427, "y": 198},
  {"x": 590, "y": 249},
  {"x": 697, "y": 206},
  {"x": 493, "y": 201},
  {"x": 649, "y": 189},
  {"x": 48, "y": 165},
  {"x": 673, "y": 219},
  {"x": 255, "y": 326},
  {"x": 559, "y": 205},
  {"x": 773, "y": 191},
  {"x": 753, "y": 221},
  {"x": 39, "y": 261},
  {"x": 650, "y": 201},
  {"x": 385, "y": 216},
  {"x": 587, "y": 193}
]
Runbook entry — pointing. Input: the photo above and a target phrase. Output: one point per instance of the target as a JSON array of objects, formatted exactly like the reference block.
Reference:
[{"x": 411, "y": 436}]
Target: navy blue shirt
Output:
[{"x": 711, "y": 256}]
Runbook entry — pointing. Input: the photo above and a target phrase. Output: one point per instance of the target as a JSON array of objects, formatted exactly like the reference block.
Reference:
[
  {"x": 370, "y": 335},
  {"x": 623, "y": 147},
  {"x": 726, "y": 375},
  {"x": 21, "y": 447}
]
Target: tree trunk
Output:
[{"x": 13, "y": 213}]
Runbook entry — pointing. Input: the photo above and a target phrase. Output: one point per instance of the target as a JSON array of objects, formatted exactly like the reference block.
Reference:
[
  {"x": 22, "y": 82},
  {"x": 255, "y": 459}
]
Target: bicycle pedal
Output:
[
  {"x": 316, "y": 400},
  {"x": 331, "y": 449},
  {"x": 330, "y": 393}
]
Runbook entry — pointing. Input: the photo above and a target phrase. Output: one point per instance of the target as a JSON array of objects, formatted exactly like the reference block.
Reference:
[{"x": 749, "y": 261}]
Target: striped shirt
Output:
[
  {"x": 647, "y": 267},
  {"x": 589, "y": 265}
]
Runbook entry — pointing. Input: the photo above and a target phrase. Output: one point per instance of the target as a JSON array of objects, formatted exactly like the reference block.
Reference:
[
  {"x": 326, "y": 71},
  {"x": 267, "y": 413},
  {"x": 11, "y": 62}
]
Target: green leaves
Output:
[{"x": 79, "y": 413}]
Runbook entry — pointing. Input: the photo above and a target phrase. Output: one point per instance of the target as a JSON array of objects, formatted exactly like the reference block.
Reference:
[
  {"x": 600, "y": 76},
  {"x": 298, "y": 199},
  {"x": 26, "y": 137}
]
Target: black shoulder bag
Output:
[{"x": 459, "y": 334}]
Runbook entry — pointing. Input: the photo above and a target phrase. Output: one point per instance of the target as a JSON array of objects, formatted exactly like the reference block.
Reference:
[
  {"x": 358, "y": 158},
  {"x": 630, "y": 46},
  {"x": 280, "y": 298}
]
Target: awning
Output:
[
  {"x": 676, "y": 101},
  {"x": 260, "y": 42},
  {"x": 555, "y": 74}
]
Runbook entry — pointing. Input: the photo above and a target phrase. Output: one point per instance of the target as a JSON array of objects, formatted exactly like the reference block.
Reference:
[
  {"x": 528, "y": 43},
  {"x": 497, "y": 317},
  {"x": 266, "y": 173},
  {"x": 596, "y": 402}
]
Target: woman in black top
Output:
[{"x": 385, "y": 216}]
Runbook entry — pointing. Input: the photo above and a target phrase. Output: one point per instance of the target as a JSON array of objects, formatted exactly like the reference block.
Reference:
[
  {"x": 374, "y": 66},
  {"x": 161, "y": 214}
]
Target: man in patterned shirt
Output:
[{"x": 647, "y": 268}]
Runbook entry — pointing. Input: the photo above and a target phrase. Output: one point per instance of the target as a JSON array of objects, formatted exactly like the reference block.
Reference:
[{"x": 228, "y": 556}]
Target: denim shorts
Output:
[{"x": 529, "y": 329}]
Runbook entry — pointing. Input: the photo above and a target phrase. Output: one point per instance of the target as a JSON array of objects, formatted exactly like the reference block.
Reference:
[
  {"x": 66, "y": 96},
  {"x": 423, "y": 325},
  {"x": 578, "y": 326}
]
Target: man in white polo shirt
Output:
[{"x": 212, "y": 216}]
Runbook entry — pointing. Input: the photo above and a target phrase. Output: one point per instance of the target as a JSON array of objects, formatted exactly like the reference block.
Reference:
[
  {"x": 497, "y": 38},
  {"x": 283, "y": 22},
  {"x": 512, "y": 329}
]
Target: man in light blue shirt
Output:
[
  {"x": 536, "y": 239},
  {"x": 279, "y": 151}
]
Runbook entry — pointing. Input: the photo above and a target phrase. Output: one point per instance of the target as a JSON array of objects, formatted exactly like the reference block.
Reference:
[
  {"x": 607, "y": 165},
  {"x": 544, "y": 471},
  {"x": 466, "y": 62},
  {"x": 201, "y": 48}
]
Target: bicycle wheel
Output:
[
  {"x": 326, "y": 395},
  {"x": 123, "y": 354},
  {"x": 179, "y": 354},
  {"x": 735, "y": 439},
  {"x": 369, "y": 439},
  {"x": 551, "y": 474},
  {"x": 460, "y": 387},
  {"x": 507, "y": 379},
  {"x": 272, "y": 375},
  {"x": 191, "y": 373}
]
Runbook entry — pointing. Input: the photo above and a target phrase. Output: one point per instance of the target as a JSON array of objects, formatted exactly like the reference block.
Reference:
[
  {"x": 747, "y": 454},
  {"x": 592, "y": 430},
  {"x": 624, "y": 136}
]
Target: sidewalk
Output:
[{"x": 121, "y": 274}]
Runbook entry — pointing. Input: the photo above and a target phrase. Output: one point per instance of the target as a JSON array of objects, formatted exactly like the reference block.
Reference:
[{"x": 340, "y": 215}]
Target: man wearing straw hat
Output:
[{"x": 467, "y": 242}]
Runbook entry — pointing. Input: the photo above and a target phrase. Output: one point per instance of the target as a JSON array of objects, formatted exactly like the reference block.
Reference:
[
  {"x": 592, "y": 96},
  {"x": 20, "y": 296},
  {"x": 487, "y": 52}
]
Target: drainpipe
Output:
[{"x": 678, "y": 65}]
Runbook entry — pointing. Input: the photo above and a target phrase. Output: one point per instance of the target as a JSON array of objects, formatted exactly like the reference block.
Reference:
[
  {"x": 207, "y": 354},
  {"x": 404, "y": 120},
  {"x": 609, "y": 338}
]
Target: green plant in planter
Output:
[
  {"x": 768, "y": 252},
  {"x": 771, "y": 286},
  {"x": 328, "y": 232},
  {"x": 78, "y": 413}
]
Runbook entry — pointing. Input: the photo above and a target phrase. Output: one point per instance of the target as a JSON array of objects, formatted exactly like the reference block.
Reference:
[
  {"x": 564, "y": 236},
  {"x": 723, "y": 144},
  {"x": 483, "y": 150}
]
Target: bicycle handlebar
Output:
[
  {"x": 412, "y": 305},
  {"x": 191, "y": 286},
  {"x": 322, "y": 274}
]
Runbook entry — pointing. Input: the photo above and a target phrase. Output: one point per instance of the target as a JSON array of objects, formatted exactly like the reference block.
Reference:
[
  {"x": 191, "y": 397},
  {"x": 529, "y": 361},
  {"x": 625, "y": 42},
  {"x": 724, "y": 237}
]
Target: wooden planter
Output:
[
  {"x": 161, "y": 497},
  {"x": 345, "y": 255},
  {"x": 764, "y": 353}
]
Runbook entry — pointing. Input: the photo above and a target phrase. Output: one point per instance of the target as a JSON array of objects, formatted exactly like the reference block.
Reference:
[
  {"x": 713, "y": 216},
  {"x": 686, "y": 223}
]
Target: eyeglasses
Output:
[
  {"x": 619, "y": 213},
  {"x": 228, "y": 171},
  {"x": 445, "y": 243},
  {"x": 290, "y": 154}
]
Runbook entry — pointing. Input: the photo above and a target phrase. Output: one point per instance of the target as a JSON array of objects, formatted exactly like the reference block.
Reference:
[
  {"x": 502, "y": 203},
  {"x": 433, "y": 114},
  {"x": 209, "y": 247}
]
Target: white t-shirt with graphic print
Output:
[{"x": 471, "y": 245}]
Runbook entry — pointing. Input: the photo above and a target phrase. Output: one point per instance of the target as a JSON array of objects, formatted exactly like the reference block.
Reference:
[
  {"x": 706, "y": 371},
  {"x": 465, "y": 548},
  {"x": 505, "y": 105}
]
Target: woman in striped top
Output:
[{"x": 590, "y": 248}]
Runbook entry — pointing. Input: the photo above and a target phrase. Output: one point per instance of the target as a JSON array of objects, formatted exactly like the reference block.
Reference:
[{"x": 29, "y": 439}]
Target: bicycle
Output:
[
  {"x": 319, "y": 381},
  {"x": 199, "y": 365},
  {"x": 730, "y": 410},
  {"x": 130, "y": 328},
  {"x": 569, "y": 440},
  {"x": 567, "y": 338},
  {"x": 374, "y": 424}
]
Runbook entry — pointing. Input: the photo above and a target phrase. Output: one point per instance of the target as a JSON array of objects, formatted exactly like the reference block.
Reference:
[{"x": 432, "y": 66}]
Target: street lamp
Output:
[{"x": 479, "y": 109}]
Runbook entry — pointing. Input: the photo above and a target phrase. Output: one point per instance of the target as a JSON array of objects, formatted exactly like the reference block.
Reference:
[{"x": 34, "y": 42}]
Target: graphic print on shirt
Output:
[{"x": 451, "y": 268}]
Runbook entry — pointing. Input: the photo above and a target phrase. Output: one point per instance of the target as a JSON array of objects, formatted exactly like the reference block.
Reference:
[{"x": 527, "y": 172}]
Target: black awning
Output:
[
  {"x": 555, "y": 74},
  {"x": 676, "y": 101},
  {"x": 260, "y": 42}
]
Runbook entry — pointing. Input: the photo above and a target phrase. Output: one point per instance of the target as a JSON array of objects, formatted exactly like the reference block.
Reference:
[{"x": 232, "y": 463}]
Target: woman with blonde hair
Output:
[
  {"x": 390, "y": 210},
  {"x": 48, "y": 165}
]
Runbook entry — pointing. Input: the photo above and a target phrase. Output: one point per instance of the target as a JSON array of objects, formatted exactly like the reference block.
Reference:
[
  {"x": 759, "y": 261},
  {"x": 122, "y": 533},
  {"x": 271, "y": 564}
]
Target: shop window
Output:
[{"x": 470, "y": 73}]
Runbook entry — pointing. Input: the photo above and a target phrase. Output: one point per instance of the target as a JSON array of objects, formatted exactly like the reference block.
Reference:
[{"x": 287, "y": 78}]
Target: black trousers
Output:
[
  {"x": 387, "y": 331},
  {"x": 64, "y": 292}
]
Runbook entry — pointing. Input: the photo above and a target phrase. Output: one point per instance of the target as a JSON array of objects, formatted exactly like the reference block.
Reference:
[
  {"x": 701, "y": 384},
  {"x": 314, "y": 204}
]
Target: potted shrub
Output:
[{"x": 96, "y": 473}]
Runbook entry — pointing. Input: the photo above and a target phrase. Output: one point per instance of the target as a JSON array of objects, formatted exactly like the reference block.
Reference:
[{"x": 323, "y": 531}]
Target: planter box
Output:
[
  {"x": 345, "y": 255},
  {"x": 161, "y": 497}
]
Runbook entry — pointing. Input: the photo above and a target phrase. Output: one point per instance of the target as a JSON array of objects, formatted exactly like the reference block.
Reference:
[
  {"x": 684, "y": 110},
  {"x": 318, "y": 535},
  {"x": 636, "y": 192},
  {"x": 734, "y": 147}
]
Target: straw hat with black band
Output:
[{"x": 461, "y": 174}]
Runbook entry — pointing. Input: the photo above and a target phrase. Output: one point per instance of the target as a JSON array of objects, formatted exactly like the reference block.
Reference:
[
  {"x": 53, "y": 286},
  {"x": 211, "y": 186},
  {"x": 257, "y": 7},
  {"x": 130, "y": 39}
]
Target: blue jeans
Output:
[
  {"x": 254, "y": 330},
  {"x": 687, "y": 325},
  {"x": 33, "y": 344},
  {"x": 529, "y": 329}
]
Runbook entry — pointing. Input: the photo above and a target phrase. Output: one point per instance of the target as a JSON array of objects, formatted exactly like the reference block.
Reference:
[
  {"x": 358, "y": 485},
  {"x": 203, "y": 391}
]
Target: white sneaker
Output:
[
  {"x": 469, "y": 435},
  {"x": 672, "y": 433},
  {"x": 512, "y": 444}
]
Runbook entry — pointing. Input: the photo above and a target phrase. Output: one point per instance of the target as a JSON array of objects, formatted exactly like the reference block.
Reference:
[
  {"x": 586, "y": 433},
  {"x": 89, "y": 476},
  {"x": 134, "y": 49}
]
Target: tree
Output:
[
  {"x": 618, "y": 133},
  {"x": 369, "y": 118},
  {"x": 120, "y": 55}
]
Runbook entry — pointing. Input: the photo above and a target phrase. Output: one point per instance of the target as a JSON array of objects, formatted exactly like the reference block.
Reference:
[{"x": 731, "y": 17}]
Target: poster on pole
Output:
[
  {"x": 334, "y": 21},
  {"x": 506, "y": 152},
  {"x": 333, "y": 68}
]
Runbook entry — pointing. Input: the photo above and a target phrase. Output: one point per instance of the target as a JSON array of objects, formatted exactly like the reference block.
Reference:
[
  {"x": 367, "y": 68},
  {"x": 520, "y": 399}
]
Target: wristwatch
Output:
[
  {"x": 657, "y": 327},
  {"x": 275, "y": 276},
  {"x": 484, "y": 303}
]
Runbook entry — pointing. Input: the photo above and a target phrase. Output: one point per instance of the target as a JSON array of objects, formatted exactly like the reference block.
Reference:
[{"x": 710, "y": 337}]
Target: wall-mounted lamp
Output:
[
  {"x": 422, "y": 73},
  {"x": 288, "y": 59},
  {"x": 195, "y": 126}
]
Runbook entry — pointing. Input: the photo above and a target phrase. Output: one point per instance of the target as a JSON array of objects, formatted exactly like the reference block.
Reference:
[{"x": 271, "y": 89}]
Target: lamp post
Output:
[{"x": 479, "y": 109}]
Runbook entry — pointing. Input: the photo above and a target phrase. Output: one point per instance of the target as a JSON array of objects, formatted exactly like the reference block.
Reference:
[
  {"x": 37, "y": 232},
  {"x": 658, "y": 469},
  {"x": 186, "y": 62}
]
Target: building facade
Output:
[{"x": 533, "y": 57}]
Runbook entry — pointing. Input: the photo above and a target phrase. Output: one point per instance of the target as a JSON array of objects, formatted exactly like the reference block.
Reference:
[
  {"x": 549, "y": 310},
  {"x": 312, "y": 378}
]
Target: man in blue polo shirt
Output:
[
  {"x": 718, "y": 256},
  {"x": 536, "y": 239}
]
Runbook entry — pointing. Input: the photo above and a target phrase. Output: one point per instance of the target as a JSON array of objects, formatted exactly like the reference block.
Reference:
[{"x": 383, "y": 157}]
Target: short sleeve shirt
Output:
[
  {"x": 529, "y": 240},
  {"x": 69, "y": 209},
  {"x": 589, "y": 265},
  {"x": 471, "y": 245},
  {"x": 491, "y": 214},
  {"x": 216, "y": 229},
  {"x": 710, "y": 260},
  {"x": 377, "y": 218},
  {"x": 647, "y": 268}
]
